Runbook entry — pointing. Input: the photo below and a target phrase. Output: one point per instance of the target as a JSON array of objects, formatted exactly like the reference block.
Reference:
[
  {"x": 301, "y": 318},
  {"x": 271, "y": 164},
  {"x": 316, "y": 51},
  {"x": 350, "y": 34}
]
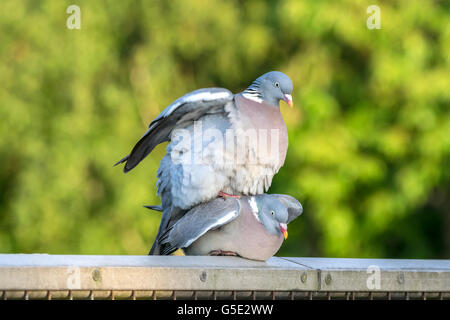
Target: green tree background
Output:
[{"x": 369, "y": 136}]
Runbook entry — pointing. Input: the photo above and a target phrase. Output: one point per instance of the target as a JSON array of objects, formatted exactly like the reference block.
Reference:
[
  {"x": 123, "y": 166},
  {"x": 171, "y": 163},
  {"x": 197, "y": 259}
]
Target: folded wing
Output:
[{"x": 197, "y": 221}]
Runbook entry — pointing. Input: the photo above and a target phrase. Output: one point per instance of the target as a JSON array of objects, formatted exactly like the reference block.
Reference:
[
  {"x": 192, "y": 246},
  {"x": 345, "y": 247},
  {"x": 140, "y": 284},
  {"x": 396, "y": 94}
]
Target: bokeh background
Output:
[{"x": 369, "y": 153}]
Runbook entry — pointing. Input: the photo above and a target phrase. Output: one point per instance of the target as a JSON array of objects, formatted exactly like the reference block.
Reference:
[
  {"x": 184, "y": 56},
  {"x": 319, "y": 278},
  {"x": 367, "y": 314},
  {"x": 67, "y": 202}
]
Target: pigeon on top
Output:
[
  {"x": 220, "y": 144},
  {"x": 251, "y": 227}
]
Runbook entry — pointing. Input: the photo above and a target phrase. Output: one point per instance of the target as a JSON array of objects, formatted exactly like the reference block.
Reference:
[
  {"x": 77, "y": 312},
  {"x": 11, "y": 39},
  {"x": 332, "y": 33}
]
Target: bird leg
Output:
[
  {"x": 227, "y": 195},
  {"x": 223, "y": 253}
]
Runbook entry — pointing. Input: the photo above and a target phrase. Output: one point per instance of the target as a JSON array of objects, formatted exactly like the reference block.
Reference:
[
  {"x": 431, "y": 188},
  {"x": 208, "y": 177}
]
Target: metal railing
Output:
[{"x": 42, "y": 276}]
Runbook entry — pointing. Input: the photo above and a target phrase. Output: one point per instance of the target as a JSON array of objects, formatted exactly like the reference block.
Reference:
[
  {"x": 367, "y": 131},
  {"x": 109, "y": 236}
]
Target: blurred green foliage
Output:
[{"x": 369, "y": 137}]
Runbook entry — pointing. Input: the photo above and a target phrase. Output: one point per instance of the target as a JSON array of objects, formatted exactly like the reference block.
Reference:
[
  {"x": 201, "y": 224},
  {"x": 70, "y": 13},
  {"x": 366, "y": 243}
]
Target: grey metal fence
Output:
[{"x": 42, "y": 276}]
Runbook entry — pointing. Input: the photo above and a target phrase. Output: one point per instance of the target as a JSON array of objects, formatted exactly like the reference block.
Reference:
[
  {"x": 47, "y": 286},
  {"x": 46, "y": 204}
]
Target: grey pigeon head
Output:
[
  {"x": 271, "y": 87},
  {"x": 272, "y": 213}
]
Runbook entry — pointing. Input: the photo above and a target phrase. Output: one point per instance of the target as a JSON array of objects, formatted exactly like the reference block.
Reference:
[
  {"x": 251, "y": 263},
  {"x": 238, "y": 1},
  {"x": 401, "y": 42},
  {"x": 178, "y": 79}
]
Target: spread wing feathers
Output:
[
  {"x": 182, "y": 111},
  {"x": 293, "y": 206},
  {"x": 197, "y": 221}
]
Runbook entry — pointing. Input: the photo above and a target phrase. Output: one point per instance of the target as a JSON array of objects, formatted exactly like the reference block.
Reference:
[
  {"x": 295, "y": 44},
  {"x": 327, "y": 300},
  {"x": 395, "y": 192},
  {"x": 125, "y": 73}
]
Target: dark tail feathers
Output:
[
  {"x": 124, "y": 159},
  {"x": 156, "y": 208}
]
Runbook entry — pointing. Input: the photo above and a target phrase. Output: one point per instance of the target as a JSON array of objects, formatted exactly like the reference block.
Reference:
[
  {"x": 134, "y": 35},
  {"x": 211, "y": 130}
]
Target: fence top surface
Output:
[
  {"x": 363, "y": 264},
  {"x": 47, "y": 260},
  {"x": 50, "y": 260},
  {"x": 51, "y": 272}
]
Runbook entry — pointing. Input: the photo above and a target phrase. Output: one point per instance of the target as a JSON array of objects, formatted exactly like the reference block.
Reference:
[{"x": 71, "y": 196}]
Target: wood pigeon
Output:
[
  {"x": 251, "y": 227},
  {"x": 213, "y": 150}
]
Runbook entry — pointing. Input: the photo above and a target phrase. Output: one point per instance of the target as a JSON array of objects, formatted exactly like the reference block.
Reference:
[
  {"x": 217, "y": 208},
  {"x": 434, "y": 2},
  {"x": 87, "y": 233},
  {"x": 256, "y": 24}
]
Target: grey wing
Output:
[
  {"x": 199, "y": 220},
  {"x": 182, "y": 111},
  {"x": 293, "y": 206}
]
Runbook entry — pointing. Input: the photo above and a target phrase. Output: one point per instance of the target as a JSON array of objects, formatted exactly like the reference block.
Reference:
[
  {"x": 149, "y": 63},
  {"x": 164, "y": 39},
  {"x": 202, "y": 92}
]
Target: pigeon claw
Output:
[
  {"x": 227, "y": 195},
  {"x": 223, "y": 253}
]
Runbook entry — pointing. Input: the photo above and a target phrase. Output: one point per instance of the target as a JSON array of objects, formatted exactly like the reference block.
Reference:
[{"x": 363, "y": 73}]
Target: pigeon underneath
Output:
[{"x": 251, "y": 227}]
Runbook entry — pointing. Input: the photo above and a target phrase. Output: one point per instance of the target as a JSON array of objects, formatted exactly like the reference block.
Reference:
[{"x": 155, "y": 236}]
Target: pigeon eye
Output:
[
  {"x": 277, "y": 84},
  {"x": 272, "y": 212}
]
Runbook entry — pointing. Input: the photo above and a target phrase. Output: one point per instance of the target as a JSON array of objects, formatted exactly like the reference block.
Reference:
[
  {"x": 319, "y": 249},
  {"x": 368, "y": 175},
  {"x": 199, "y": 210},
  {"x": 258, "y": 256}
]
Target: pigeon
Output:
[
  {"x": 252, "y": 227},
  {"x": 220, "y": 144}
]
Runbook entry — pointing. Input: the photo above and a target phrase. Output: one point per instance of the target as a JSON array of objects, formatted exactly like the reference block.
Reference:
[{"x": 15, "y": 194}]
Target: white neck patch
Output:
[
  {"x": 252, "y": 97},
  {"x": 254, "y": 207}
]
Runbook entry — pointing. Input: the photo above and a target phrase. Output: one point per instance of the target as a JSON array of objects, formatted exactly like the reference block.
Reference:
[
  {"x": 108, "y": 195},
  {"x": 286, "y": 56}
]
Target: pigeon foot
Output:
[
  {"x": 227, "y": 195},
  {"x": 223, "y": 253}
]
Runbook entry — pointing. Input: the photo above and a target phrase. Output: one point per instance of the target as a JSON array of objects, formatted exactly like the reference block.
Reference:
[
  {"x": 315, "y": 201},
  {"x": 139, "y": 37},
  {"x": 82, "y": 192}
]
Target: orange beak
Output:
[
  {"x": 288, "y": 100},
  {"x": 283, "y": 228}
]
